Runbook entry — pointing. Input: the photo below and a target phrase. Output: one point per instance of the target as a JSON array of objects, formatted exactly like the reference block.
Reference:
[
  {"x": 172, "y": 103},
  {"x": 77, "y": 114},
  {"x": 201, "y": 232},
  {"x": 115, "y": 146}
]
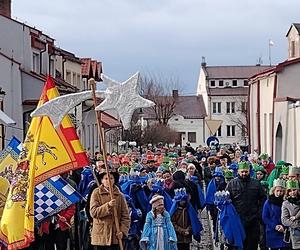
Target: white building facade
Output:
[{"x": 225, "y": 95}]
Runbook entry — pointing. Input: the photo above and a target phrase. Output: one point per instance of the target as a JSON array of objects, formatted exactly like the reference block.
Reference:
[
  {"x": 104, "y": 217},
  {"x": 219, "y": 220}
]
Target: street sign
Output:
[{"x": 212, "y": 141}]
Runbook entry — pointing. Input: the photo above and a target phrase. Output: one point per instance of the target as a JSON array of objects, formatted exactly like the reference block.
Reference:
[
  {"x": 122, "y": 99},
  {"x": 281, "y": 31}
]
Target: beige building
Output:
[{"x": 274, "y": 101}]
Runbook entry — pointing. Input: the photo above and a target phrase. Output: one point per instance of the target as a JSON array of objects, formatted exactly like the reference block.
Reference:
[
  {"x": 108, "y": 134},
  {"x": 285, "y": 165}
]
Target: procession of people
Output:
[{"x": 160, "y": 191}]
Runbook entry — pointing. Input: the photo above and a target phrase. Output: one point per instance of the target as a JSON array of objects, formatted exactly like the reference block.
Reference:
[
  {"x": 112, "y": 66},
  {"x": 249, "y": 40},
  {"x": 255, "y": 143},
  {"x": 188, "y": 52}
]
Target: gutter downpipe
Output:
[
  {"x": 258, "y": 116},
  {"x": 41, "y": 58},
  {"x": 248, "y": 120},
  {"x": 273, "y": 114}
]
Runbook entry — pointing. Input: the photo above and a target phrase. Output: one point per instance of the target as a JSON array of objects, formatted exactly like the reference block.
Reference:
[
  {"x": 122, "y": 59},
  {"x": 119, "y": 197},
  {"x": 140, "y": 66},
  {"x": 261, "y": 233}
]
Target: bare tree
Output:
[
  {"x": 157, "y": 133},
  {"x": 240, "y": 117},
  {"x": 161, "y": 93}
]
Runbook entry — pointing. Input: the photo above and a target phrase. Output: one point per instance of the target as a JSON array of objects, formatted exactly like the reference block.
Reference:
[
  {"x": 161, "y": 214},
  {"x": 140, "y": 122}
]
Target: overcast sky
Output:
[{"x": 166, "y": 37}]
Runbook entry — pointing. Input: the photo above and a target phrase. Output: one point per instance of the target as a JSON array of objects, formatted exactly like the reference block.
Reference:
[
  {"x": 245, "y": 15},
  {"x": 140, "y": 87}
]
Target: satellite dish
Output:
[{"x": 227, "y": 84}]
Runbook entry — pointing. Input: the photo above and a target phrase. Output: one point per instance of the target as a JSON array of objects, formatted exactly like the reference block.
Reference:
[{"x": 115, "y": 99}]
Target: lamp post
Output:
[{"x": 2, "y": 94}]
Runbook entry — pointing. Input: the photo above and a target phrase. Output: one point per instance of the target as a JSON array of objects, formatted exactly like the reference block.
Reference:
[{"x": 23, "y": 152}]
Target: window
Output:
[
  {"x": 68, "y": 76},
  {"x": 35, "y": 62},
  {"x": 230, "y": 107},
  {"x": 74, "y": 80},
  {"x": 219, "y": 132},
  {"x": 78, "y": 81},
  {"x": 216, "y": 107},
  {"x": 192, "y": 137},
  {"x": 234, "y": 83},
  {"x": 212, "y": 83},
  {"x": 51, "y": 67},
  {"x": 245, "y": 82},
  {"x": 293, "y": 49},
  {"x": 221, "y": 83},
  {"x": 230, "y": 130}
]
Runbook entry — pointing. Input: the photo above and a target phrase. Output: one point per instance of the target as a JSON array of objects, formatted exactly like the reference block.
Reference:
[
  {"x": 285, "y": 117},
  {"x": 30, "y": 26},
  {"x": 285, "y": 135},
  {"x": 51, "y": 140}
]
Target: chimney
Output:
[
  {"x": 203, "y": 63},
  {"x": 5, "y": 8},
  {"x": 175, "y": 93}
]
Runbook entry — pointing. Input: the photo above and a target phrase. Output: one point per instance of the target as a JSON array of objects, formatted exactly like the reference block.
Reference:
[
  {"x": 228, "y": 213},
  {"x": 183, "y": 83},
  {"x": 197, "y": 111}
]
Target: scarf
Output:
[
  {"x": 295, "y": 201},
  {"x": 276, "y": 200}
]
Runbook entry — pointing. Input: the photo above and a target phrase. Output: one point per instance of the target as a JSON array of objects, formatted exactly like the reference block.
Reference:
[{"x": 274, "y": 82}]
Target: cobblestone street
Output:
[{"x": 206, "y": 239}]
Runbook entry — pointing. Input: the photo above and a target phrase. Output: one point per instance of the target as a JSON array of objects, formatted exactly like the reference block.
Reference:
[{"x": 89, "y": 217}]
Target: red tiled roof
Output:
[
  {"x": 233, "y": 72},
  {"x": 85, "y": 67},
  {"x": 109, "y": 121},
  {"x": 89, "y": 64},
  {"x": 190, "y": 107},
  {"x": 276, "y": 69},
  {"x": 228, "y": 91}
]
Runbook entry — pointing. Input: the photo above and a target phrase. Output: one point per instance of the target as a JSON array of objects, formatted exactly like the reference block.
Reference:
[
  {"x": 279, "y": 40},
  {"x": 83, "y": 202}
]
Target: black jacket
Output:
[{"x": 247, "y": 197}]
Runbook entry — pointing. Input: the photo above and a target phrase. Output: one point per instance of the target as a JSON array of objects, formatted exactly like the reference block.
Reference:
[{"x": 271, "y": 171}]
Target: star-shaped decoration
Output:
[{"x": 124, "y": 98}]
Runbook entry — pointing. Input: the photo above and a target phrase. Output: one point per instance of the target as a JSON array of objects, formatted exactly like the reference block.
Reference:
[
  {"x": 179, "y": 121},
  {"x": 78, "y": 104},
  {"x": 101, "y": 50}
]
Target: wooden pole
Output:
[{"x": 103, "y": 144}]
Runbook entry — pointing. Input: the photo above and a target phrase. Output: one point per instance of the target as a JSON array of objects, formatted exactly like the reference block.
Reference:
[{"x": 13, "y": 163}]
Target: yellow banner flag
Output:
[
  {"x": 46, "y": 152},
  {"x": 8, "y": 164}
]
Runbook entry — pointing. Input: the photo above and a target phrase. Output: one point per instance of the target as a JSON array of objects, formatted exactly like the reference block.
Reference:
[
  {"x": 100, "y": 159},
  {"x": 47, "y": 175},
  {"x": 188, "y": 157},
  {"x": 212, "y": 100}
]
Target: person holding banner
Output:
[{"x": 104, "y": 233}]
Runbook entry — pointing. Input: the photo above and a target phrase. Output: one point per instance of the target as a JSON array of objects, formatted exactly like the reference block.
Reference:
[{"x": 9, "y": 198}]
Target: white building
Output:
[
  {"x": 27, "y": 56},
  {"x": 274, "y": 101},
  {"x": 225, "y": 90},
  {"x": 188, "y": 119}
]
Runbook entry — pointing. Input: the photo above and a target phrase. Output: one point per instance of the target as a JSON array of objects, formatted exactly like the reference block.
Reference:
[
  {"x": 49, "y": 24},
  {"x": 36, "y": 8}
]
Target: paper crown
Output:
[
  {"x": 279, "y": 183},
  {"x": 285, "y": 170},
  {"x": 264, "y": 156},
  {"x": 260, "y": 168},
  {"x": 218, "y": 172},
  {"x": 293, "y": 171},
  {"x": 292, "y": 184},
  {"x": 180, "y": 194},
  {"x": 166, "y": 159},
  {"x": 243, "y": 165},
  {"x": 222, "y": 197},
  {"x": 228, "y": 174},
  {"x": 280, "y": 163}
]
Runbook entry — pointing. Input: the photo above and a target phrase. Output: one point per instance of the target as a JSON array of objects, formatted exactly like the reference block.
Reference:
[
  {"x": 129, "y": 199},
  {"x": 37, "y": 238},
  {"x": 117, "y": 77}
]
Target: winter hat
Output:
[
  {"x": 243, "y": 165},
  {"x": 279, "y": 183},
  {"x": 156, "y": 201},
  {"x": 292, "y": 184}
]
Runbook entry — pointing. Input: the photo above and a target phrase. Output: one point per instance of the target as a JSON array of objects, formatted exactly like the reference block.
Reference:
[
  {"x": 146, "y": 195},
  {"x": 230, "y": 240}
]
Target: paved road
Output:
[{"x": 206, "y": 239}]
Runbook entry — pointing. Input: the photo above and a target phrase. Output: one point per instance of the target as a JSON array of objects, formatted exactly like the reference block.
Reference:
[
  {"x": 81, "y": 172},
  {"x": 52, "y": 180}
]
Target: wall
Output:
[
  {"x": 253, "y": 115},
  {"x": 289, "y": 81},
  {"x": 266, "y": 112},
  {"x": 11, "y": 83},
  {"x": 288, "y": 115},
  {"x": 201, "y": 87},
  {"x": 236, "y": 118},
  {"x": 16, "y": 43},
  {"x": 180, "y": 124},
  {"x": 293, "y": 36}
]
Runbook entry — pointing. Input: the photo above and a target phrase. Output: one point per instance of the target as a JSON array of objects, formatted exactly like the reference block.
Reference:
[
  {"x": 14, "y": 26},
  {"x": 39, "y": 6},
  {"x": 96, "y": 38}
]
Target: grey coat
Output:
[{"x": 289, "y": 209}]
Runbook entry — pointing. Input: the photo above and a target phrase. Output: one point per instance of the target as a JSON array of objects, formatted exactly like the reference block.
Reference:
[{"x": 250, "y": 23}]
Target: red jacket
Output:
[
  {"x": 269, "y": 168},
  {"x": 66, "y": 213}
]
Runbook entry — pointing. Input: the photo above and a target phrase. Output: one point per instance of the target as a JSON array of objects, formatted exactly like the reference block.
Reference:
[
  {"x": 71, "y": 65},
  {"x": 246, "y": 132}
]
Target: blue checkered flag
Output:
[{"x": 52, "y": 196}]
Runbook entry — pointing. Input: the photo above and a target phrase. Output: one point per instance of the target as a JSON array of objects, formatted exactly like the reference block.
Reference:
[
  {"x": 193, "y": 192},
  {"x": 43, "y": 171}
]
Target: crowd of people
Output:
[{"x": 159, "y": 192}]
